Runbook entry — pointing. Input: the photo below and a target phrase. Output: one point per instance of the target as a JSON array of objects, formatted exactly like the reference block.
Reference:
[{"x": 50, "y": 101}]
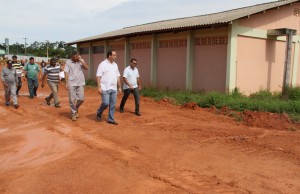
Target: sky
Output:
[{"x": 69, "y": 20}]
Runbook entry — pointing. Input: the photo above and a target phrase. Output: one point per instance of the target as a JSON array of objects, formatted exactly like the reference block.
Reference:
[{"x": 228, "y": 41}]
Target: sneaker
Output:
[
  {"x": 57, "y": 105},
  {"x": 121, "y": 110},
  {"x": 113, "y": 122},
  {"x": 138, "y": 113},
  {"x": 7, "y": 103},
  {"x": 74, "y": 118},
  {"x": 77, "y": 115},
  {"x": 98, "y": 116},
  {"x": 16, "y": 106},
  {"x": 47, "y": 101}
]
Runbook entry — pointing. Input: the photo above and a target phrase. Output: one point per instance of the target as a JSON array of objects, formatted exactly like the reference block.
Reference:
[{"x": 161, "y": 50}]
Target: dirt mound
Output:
[
  {"x": 267, "y": 120},
  {"x": 167, "y": 101},
  {"x": 190, "y": 105},
  {"x": 258, "y": 119}
]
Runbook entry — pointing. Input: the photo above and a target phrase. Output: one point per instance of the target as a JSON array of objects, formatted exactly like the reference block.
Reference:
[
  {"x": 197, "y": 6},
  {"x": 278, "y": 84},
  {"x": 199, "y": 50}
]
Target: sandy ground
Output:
[{"x": 168, "y": 149}]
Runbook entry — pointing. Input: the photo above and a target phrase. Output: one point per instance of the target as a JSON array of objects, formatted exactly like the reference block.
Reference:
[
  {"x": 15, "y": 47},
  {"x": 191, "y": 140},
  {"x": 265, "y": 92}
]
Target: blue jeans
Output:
[
  {"x": 109, "y": 98},
  {"x": 32, "y": 86}
]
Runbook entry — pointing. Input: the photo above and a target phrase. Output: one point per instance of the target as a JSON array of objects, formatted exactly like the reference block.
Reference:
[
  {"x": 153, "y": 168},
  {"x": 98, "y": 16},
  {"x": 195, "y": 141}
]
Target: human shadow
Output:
[{"x": 65, "y": 114}]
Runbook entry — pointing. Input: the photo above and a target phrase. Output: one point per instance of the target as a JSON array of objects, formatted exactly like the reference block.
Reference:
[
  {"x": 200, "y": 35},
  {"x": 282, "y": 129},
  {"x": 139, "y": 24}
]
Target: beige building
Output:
[{"x": 250, "y": 48}]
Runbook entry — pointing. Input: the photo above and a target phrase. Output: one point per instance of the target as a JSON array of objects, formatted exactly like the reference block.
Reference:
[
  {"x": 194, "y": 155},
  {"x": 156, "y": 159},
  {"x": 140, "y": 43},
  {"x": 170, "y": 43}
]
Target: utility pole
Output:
[
  {"x": 47, "y": 42},
  {"x": 17, "y": 47},
  {"x": 25, "y": 46}
]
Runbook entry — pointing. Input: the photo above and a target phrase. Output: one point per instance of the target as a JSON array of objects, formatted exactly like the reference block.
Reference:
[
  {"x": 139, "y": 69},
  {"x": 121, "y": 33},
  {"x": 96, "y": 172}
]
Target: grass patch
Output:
[
  {"x": 91, "y": 82},
  {"x": 263, "y": 101}
]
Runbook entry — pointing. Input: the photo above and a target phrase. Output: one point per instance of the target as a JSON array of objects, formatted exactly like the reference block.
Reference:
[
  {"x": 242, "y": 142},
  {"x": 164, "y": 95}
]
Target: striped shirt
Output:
[
  {"x": 52, "y": 73},
  {"x": 18, "y": 68}
]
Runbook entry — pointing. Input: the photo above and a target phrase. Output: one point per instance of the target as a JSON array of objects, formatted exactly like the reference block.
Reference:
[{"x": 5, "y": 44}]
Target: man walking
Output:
[
  {"x": 19, "y": 68},
  {"x": 10, "y": 79},
  {"x": 32, "y": 70},
  {"x": 131, "y": 84},
  {"x": 75, "y": 83},
  {"x": 52, "y": 72},
  {"x": 108, "y": 79}
]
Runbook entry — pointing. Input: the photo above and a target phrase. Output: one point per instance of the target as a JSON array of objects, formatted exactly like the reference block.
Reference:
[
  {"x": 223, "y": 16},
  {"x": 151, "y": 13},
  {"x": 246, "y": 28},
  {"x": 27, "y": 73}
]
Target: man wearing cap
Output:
[
  {"x": 32, "y": 69},
  {"x": 10, "y": 80},
  {"x": 19, "y": 69},
  {"x": 52, "y": 71}
]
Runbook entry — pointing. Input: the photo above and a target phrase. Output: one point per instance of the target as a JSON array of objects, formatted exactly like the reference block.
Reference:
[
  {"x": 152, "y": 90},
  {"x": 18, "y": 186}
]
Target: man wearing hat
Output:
[
  {"x": 19, "y": 69},
  {"x": 10, "y": 80}
]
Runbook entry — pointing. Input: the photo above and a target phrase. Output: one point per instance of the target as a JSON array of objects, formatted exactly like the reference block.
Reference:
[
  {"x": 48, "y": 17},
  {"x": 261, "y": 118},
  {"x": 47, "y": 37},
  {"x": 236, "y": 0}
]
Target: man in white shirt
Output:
[
  {"x": 131, "y": 84},
  {"x": 108, "y": 79}
]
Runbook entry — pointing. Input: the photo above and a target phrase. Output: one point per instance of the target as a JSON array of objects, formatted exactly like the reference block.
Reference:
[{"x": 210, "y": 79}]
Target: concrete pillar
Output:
[
  {"x": 189, "y": 61},
  {"x": 153, "y": 61},
  {"x": 232, "y": 57},
  {"x": 296, "y": 62},
  {"x": 90, "y": 61},
  {"x": 127, "y": 52},
  {"x": 106, "y": 49}
]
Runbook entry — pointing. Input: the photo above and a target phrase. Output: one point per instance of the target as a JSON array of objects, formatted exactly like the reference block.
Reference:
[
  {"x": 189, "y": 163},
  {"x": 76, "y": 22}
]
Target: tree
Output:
[{"x": 57, "y": 49}]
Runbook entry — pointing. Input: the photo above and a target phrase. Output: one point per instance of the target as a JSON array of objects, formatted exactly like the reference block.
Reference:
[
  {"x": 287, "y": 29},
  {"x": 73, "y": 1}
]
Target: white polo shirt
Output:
[
  {"x": 131, "y": 75},
  {"x": 109, "y": 73}
]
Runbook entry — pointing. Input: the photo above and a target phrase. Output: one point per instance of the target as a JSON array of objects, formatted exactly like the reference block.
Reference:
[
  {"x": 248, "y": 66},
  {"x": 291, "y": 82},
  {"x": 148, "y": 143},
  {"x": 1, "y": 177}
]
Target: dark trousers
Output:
[
  {"x": 19, "y": 85},
  {"x": 32, "y": 86},
  {"x": 136, "y": 95}
]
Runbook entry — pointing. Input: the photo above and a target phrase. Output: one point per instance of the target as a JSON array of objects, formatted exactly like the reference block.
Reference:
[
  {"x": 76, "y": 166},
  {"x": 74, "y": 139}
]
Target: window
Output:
[
  {"x": 211, "y": 40},
  {"x": 98, "y": 49},
  {"x": 297, "y": 12},
  {"x": 84, "y": 51}
]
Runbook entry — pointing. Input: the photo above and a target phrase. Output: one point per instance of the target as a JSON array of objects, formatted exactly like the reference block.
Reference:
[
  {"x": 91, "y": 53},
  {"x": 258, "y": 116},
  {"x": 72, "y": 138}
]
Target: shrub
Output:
[{"x": 91, "y": 82}]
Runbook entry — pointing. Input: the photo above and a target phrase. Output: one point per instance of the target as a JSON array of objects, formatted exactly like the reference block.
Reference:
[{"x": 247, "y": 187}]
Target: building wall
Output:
[
  {"x": 120, "y": 61},
  {"x": 210, "y": 60},
  {"x": 97, "y": 59},
  {"x": 85, "y": 57},
  {"x": 210, "y": 68},
  {"x": 298, "y": 72},
  {"x": 283, "y": 17},
  {"x": 260, "y": 64},
  {"x": 171, "y": 61},
  {"x": 141, "y": 51}
]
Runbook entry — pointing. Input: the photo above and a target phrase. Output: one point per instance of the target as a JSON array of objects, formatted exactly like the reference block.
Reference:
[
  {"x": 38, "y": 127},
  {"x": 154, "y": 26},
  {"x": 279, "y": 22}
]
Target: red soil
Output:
[{"x": 169, "y": 149}]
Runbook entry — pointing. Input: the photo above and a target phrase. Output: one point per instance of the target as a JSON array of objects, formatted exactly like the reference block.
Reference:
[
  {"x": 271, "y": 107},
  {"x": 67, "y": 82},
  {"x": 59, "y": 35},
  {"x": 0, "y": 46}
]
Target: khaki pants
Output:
[
  {"x": 10, "y": 91},
  {"x": 54, "y": 88},
  {"x": 76, "y": 98}
]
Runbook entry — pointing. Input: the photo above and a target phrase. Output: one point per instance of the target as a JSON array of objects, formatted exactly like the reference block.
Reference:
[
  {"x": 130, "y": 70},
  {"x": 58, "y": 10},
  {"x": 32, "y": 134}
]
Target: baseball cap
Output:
[{"x": 14, "y": 57}]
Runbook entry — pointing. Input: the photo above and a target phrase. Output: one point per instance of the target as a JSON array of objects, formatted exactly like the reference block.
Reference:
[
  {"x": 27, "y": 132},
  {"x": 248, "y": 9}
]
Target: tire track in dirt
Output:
[{"x": 183, "y": 179}]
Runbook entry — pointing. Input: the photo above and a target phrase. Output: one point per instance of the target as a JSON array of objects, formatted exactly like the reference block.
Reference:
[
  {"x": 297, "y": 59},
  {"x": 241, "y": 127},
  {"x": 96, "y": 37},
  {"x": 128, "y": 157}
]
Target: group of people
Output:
[
  {"x": 108, "y": 81},
  {"x": 12, "y": 79}
]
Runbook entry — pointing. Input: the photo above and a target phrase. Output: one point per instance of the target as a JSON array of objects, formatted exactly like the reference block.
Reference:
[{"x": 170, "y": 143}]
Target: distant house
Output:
[
  {"x": 245, "y": 48},
  {"x": 2, "y": 50}
]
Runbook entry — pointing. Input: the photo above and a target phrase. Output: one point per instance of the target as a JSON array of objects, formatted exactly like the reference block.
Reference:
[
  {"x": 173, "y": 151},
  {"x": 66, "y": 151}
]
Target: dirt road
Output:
[{"x": 167, "y": 150}]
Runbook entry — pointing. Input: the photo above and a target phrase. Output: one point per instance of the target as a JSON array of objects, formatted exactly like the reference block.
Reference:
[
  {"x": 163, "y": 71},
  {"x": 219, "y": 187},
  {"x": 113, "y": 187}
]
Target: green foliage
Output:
[
  {"x": 292, "y": 93},
  {"x": 91, "y": 82},
  {"x": 263, "y": 100},
  {"x": 55, "y": 49}
]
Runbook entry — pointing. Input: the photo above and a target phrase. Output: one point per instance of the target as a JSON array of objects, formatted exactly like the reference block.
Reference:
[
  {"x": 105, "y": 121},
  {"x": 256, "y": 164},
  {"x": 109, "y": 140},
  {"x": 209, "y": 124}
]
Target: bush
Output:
[
  {"x": 263, "y": 100},
  {"x": 292, "y": 93},
  {"x": 91, "y": 82}
]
